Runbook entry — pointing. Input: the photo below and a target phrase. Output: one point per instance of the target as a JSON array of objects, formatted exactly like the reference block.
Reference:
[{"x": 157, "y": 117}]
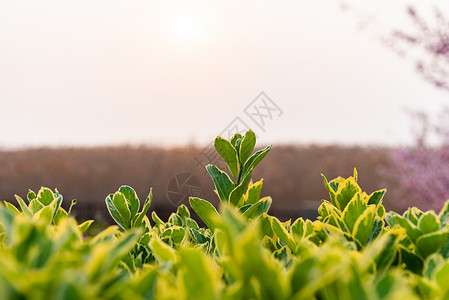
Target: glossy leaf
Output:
[
  {"x": 115, "y": 213},
  {"x": 222, "y": 182},
  {"x": 23, "y": 206},
  {"x": 346, "y": 191},
  {"x": 163, "y": 252},
  {"x": 428, "y": 222},
  {"x": 431, "y": 242},
  {"x": 376, "y": 197},
  {"x": 247, "y": 146},
  {"x": 146, "y": 206},
  {"x": 229, "y": 155},
  {"x": 45, "y": 196},
  {"x": 364, "y": 225},
  {"x": 206, "y": 211},
  {"x": 131, "y": 199},
  {"x": 283, "y": 234},
  {"x": 237, "y": 193},
  {"x": 353, "y": 211},
  {"x": 254, "y": 160},
  {"x": 120, "y": 203},
  {"x": 252, "y": 195}
]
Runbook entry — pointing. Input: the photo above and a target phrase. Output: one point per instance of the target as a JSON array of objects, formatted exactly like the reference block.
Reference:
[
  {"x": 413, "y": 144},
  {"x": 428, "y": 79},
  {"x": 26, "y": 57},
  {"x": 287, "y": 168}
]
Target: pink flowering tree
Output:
[
  {"x": 418, "y": 175},
  {"x": 427, "y": 44}
]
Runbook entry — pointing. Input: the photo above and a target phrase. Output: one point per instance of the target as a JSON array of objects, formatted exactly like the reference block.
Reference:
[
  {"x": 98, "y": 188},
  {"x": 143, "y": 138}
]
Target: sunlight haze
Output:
[{"x": 172, "y": 73}]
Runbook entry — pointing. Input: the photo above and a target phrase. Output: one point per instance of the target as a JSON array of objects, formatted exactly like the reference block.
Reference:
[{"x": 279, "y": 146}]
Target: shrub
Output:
[{"x": 354, "y": 250}]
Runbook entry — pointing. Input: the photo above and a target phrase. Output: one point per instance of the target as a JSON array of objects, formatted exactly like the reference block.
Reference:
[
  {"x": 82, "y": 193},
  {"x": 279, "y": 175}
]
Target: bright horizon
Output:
[{"x": 92, "y": 73}]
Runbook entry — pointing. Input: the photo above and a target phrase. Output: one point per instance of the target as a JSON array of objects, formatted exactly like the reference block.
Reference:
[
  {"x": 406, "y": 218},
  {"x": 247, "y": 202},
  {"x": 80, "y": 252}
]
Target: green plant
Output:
[
  {"x": 240, "y": 192},
  {"x": 354, "y": 250}
]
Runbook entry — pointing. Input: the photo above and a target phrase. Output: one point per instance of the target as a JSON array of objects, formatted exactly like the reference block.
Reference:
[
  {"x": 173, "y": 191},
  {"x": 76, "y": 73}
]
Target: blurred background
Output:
[{"x": 97, "y": 94}]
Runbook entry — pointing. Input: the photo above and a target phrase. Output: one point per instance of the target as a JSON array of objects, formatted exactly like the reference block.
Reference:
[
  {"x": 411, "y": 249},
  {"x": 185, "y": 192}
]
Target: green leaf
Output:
[
  {"x": 120, "y": 203},
  {"x": 442, "y": 276},
  {"x": 247, "y": 146},
  {"x": 356, "y": 175},
  {"x": 31, "y": 195},
  {"x": 413, "y": 214},
  {"x": 356, "y": 290},
  {"x": 157, "y": 220},
  {"x": 45, "y": 214},
  {"x": 85, "y": 225},
  {"x": 199, "y": 275},
  {"x": 131, "y": 198},
  {"x": 283, "y": 234},
  {"x": 104, "y": 262},
  {"x": 365, "y": 224},
  {"x": 325, "y": 209},
  {"x": 60, "y": 215},
  {"x": 376, "y": 197},
  {"x": 265, "y": 222},
  {"x": 183, "y": 211},
  {"x": 330, "y": 190},
  {"x": 254, "y": 160},
  {"x": 176, "y": 233},
  {"x": 174, "y": 219},
  {"x": 386, "y": 285},
  {"x": 237, "y": 193},
  {"x": 345, "y": 192},
  {"x": 146, "y": 207},
  {"x": 57, "y": 204},
  {"x": 353, "y": 211},
  {"x": 244, "y": 208},
  {"x": 220, "y": 241},
  {"x": 45, "y": 196},
  {"x": 302, "y": 275},
  {"x": 229, "y": 155},
  {"x": 431, "y": 242},
  {"x": 114, "y": 212},
  {"x": 23, "y": 206},
  {"x": 432, "y": 263},
  {"x": 253, "y": 193},
  {"x": 428, "y": 222},
  {"x": 381, "y": 211},
  {"x": 383, "y": 250},
  {"x": 163, "y": 252},
  {"x": 412, "y": 262},
  {"x": 413, "y": 232},
  {"x": 191, "y": 223},
  {"x": 222, "y": 182},
  {"x": 298, "y": 228},
  {"x": 377, "y": 228},
  {"x": 236, "y": 140},
  {"x": 146, "y": 284},
  {"x": 12, "y": 208},
  {"x": 259, "y": 208},
  {"x": 35, "y": 206},
  {"x": 198, "y": 236},
  {"x": 205, "y": 211}
]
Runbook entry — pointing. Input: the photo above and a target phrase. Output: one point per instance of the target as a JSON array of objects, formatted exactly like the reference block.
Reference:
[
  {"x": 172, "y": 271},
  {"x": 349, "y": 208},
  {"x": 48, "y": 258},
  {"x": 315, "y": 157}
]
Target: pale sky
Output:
[{"x": 174, "y": 72}]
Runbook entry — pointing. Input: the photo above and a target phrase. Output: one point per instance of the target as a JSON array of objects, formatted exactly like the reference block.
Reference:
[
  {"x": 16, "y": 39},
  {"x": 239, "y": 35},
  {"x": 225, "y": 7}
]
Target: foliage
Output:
[{"x": 354, "y": 250}]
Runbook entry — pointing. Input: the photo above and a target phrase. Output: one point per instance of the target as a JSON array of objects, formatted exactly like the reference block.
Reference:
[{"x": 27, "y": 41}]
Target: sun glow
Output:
[{"x": 187, "y": 27}]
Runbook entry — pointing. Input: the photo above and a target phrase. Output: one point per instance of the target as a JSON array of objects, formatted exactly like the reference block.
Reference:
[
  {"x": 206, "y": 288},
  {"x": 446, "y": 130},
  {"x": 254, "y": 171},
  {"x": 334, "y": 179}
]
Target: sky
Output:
[{"x": 169, "y": 73}]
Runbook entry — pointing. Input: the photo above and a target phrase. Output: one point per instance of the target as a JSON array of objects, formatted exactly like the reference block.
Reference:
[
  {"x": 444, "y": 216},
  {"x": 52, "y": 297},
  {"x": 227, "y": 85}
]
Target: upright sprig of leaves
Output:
[
  {"x": 358, "y": 215},
  {"x": 236, "y": 153},
  {"x": 241, "y": 161},
  {"x": 124, "y": 207}
]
